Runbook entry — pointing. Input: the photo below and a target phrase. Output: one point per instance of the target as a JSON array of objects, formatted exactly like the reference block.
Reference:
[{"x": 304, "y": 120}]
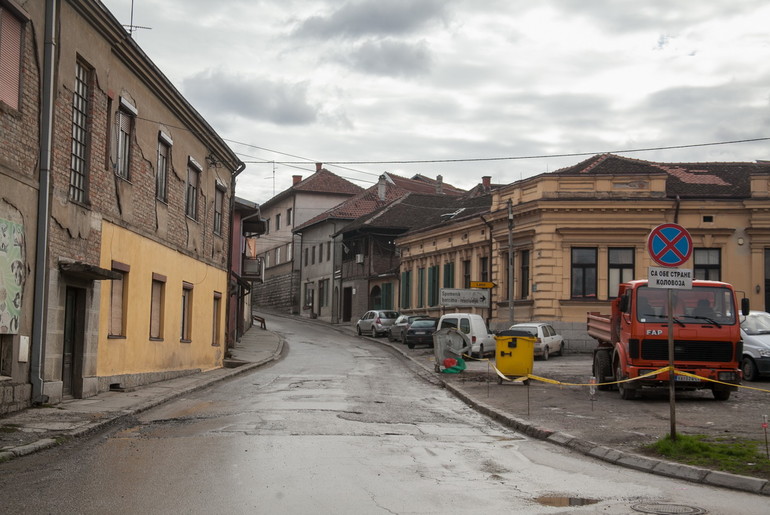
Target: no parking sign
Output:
[{"x": 669, "y": 245}]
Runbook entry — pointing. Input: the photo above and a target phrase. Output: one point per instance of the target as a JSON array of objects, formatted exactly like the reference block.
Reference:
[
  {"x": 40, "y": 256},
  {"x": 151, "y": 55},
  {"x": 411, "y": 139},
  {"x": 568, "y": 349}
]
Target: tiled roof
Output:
[
  {"x": 323, "y": 181},
  {"x": 686, "y": 180},
  {"x": 446, "y": 189},
  {"x": 369, "y": 200},
  {"x": 417, "y": 211}
]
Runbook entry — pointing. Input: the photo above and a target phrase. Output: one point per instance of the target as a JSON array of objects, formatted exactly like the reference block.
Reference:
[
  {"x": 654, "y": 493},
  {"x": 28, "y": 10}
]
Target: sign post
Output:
[{"x": 670, "y": 245}]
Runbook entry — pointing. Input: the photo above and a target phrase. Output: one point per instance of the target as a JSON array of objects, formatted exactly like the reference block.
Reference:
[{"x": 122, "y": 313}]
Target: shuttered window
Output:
[
  {"x": 156, "y": 306},
  {"x": 10, "y": 58},
  {"x": 118, "y": 300},
  {"x": 187, "y": 305},
  {"x": 217, "y": 322}
]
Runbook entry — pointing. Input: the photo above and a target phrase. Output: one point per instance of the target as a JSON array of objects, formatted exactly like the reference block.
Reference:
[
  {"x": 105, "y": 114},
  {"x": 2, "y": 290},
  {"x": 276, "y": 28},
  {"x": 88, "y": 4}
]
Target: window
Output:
[
  {"x": 216, "y": 325},
  {"x": 78, "y": 189},
  {"x": 156, "y": 306},
  {"x": 328, "y": 251},
  {"x": 484, "y": 266},
  {"x": 449, "y": 275},
  {"x": 125, "y": 127},
  {"x": 219, "y": 200},
  {"x": 312, "y": 255},
  {"x": 278, "y": 222},
  {"x": 467, "y": 273},
  {"x": 187, "y": 306},
  {"x": 406, "y": 289},
  {"x": 309, "y": 295},
  {"x": 320, "y": 252},
  {"x": 583, "y": 273},
  {"x": 524, "y": 275},
  {"x": 707, "y": 264},
  {"x": 307, "y": 255},
  {"x": 433, "y": 286},
  {"x": 278, "y": 256},
  {"x": 118, "y": 300},
  {"x": 161, "y": 172},
  {"x": 387, "y": 296},
  {"x": 323, "y": 293},
  {"x": 288, "y": 217},
  {"x": 10, "y": 58},
  {"x": 621, "y": 269},
  {"x": 191, "y": 198},
  {"x": 420, "y": 287}
]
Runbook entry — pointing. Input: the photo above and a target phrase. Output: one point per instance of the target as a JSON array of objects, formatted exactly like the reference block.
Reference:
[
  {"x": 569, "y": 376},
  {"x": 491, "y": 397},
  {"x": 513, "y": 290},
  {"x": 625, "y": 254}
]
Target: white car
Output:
[
  {"x": 755, "y": 333},
  {"x": 548, "y": 341}
]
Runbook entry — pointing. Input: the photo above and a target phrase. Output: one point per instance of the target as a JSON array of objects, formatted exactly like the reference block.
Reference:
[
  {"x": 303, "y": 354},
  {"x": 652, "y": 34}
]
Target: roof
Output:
[
  {"x": 323, "y": 181},
  {"x": 686, "y": 180},
  {"x": 369, "y": 200},
  {"x": 417, "y": 211}
]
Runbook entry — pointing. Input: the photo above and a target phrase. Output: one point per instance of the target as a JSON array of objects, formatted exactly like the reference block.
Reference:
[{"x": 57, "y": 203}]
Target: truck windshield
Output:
[{"x": 699, "y": 305}]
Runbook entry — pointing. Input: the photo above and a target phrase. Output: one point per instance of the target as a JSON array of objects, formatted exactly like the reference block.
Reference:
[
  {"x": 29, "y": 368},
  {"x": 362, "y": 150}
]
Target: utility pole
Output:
[{"x": 510, "y": 262}]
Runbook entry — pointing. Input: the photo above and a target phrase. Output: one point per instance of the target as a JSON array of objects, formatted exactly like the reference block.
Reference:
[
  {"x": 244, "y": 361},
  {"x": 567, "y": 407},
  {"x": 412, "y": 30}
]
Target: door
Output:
[
  {"x": 74, "y": 333},
  {"x": 347, "y": 304}
]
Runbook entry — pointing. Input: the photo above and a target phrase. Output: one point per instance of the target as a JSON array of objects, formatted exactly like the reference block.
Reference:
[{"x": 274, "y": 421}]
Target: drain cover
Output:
[{"x": 667, "y": 509}]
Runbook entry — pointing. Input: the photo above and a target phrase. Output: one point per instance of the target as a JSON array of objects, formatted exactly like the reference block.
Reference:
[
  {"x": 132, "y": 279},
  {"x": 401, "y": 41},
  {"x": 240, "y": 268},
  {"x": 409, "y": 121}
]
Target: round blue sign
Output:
[{"x": 669, "y": 245}]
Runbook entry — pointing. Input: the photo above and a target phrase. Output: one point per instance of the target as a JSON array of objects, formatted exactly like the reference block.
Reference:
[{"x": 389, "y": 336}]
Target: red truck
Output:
[{"x": 633, "y": 340}]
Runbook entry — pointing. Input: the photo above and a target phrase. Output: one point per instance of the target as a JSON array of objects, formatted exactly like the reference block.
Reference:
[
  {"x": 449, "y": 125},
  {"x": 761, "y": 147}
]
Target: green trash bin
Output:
[{"x": 514, "y": 353}]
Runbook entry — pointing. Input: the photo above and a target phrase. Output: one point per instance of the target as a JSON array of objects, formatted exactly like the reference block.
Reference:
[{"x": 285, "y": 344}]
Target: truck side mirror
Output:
[{"x": 745, "y": 306}]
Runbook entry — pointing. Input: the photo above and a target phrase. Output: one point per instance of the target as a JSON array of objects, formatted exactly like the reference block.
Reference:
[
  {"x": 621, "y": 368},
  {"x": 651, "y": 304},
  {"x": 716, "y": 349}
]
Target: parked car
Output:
[
  {"x": 548, "y": 341},
  {"x": 398, "y": 329},
  {"x": 482, "y": 341},
  {"x": 755, "y": 332},
  {"x": 376, "y": 322},
  {"x": 420, "y": 332}
]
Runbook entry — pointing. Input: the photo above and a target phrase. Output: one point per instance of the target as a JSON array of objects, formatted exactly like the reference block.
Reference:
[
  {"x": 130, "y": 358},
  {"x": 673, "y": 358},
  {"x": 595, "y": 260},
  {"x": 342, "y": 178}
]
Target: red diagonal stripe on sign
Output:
[{"x": 670, "y": 245}]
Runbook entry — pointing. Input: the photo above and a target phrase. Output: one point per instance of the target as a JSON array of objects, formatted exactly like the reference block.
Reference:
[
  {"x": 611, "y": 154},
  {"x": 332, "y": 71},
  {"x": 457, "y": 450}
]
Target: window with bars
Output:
[
  {"x": 11, "y": 38},
  {"x": 78, "y": 188},
  {"x": 164, "y": 161}
]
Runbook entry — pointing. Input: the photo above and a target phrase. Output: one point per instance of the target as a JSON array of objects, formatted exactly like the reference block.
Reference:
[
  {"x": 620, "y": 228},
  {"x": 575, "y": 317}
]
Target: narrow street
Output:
[{"x": 340, "y": 425}]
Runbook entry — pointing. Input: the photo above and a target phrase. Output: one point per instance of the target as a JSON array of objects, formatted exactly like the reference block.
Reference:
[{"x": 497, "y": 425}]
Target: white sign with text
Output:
[{"x": 673, "y": 278}]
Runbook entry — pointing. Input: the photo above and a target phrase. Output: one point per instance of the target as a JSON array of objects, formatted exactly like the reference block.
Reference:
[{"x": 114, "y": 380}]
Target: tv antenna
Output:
[{"x": 131, "y": 27}]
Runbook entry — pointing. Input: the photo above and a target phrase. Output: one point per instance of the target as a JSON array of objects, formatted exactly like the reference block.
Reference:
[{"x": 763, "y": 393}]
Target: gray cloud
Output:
[
  {"x": 373, "y": 17},
  {"x": 256, "y": 99},
  {"x": 390, "y": 58}
]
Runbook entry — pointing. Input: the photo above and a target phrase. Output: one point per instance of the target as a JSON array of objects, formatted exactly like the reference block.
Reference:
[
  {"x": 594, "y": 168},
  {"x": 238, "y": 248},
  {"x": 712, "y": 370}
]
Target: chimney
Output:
[
  {"x": 296, "y": 179},
  {"x": 319, "y": 167},
  {"x": 486, "y": 181},
  {"x": 439, "y": 184},
  {"x": 381, "y": 188}
]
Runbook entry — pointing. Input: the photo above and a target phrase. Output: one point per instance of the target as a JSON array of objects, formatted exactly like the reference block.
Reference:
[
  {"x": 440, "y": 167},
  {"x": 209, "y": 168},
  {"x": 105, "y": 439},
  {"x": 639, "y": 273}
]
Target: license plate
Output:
[
  {"x": 688, "y": 379},
  {"x": 420, "y": 332}
]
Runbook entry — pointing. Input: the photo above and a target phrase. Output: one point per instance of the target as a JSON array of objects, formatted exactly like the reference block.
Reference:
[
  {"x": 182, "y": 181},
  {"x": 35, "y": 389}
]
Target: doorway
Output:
[
  {"x": 347, "y": 304},
  {"x": 74, "y": 335}
]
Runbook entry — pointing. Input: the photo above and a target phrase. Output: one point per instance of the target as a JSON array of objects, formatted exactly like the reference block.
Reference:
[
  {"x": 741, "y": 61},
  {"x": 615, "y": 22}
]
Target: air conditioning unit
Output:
[{"x": 359, "y": 258}]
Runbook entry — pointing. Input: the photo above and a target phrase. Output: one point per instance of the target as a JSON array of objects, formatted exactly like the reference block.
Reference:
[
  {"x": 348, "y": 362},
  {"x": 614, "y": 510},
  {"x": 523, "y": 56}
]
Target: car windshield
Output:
[
  {"x": 423, "y": 324},
  {"x": 701, "y": 304},
  {"x": 756, "y": 323},
  {"x": 532, "y": 331}
]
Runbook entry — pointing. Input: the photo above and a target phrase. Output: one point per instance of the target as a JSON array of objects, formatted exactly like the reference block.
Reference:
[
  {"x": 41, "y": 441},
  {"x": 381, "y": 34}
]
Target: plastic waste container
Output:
[
  {"x": 450, "y": 344},
  {"x": 514, "y": 353}
]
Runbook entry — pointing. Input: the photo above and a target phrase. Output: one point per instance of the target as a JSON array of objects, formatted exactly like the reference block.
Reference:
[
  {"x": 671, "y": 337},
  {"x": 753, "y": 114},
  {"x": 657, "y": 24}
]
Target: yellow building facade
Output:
[{"x": 166, "y": 314}]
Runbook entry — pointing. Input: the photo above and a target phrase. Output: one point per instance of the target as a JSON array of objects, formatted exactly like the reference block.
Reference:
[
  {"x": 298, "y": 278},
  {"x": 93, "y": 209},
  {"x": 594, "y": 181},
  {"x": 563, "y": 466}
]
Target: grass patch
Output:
[
  {"x": 9, "y": 428},
  {"x": 733, "y": 455}
]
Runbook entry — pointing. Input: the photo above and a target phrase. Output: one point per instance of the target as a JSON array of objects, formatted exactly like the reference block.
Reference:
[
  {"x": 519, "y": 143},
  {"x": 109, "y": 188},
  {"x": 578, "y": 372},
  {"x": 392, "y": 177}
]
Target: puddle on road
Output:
[{"x": 560, "y": 501}]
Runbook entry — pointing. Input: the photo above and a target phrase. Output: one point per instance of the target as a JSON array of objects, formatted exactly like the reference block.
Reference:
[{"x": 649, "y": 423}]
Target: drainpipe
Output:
[
  {"x": 43, "y": 206},
  {"x": 231, "y": 332}
]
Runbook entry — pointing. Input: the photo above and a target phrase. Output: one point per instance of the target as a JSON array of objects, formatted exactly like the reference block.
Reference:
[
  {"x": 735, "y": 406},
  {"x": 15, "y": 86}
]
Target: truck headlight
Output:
[{"x": 727, "y": 376}]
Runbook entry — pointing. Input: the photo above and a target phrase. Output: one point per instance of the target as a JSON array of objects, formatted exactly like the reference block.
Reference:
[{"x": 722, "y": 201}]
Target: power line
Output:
[{"x": 515, "y": 158}]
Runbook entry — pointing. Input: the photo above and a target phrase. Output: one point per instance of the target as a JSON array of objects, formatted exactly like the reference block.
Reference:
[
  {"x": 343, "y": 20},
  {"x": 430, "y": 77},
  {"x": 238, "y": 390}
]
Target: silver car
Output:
[
  {"x": 755, "y": 332},
  {"x": 548, "y": 341},
  {"x": 376, "y": 322}
]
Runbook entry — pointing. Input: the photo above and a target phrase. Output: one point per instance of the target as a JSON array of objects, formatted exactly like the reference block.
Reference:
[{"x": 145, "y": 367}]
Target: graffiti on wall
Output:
[{"x": 12, "y": 275}]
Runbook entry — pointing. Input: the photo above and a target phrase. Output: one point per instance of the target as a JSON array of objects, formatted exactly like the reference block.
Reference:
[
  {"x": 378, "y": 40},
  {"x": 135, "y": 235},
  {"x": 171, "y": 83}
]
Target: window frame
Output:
[
  {"x": 12, "y": 63},
  {"x": 163, "y": 162},
  {"x": 192, "y": 188},
  {"x": 157, "y": 307},
  {"x": 707, "y": 271},
  {"x": 118, "y": 301},
  {"x": 626, "y": 270},
  {"x": 124, "y": 123},
  {"x": 186, "y": 318},
  {"x": 80, "y": 148},
  {"x": 219, "y": 202},
  {"x": 524, "y": 270},
  {"x": 216, "y": 322},
  {"x": 585, "y": 290}
]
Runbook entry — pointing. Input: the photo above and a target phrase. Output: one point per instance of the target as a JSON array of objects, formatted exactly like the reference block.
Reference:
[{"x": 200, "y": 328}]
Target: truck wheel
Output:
[
  {"x": 602, "y": 368},
  {"x": 721, "y": 395},
  {"x": 749, "y": 369},
  {"x": 626, "y": 393}
]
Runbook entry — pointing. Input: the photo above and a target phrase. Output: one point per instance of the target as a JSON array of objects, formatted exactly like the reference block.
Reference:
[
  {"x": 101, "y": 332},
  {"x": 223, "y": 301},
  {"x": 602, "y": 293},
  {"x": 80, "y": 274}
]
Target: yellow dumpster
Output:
[{"x": 514, "y": 353}]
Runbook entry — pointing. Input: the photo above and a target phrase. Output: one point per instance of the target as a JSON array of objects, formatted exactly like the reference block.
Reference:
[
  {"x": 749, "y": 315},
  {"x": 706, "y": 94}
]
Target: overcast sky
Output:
[{"x": 463, "y": 81}]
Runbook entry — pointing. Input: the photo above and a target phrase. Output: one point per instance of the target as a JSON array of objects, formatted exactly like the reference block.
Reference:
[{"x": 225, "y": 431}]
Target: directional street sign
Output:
[
  {"x": 451, "y": 297},
  {"x": 482, "y": 284},
  {"x": 669, "y": 245}
]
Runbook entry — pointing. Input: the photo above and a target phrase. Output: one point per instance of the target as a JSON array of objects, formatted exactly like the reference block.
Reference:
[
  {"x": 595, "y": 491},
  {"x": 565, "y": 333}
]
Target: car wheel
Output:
[
  {"x": 749, "y": 369},
  {"x": 561, "y": 349},
  {"x": 410, "y": 344},
  {"x": 390, "y": 336},
  {"x": 374, "y": 332},
  {"x": 626, "y": 393},
  {"x": 545, "y": 352},
  {"x": 358, "y": 329}
]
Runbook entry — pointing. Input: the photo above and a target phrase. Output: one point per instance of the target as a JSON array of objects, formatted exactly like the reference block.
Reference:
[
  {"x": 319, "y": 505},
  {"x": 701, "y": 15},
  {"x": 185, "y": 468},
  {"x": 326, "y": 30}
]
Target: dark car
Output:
[
  {"x": 420, "y": 332},
  {"x": 397, "y": 331}
]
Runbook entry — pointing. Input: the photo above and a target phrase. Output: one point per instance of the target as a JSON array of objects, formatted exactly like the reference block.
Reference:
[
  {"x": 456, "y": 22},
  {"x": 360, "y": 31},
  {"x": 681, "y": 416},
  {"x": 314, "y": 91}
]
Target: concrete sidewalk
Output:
[{"x": 33, "y": 429}]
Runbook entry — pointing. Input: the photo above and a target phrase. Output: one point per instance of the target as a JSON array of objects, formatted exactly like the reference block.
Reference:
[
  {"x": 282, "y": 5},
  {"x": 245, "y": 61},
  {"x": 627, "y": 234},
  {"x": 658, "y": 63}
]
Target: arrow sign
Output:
[
  {"x": 452, "y": 297},
  {"x": 669, "y": 245},
  {"x": 482, "y": 284}
]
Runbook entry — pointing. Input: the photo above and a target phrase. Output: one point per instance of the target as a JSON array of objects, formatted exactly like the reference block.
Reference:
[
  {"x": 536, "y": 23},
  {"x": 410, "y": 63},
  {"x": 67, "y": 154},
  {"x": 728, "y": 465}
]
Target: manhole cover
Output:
[{"x": 667, "y": 509}]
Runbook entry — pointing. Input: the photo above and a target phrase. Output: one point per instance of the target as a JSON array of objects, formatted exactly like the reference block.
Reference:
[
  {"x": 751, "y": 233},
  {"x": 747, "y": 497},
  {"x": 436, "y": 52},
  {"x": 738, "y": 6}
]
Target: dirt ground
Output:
[{"x": 609, "y": 420}]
